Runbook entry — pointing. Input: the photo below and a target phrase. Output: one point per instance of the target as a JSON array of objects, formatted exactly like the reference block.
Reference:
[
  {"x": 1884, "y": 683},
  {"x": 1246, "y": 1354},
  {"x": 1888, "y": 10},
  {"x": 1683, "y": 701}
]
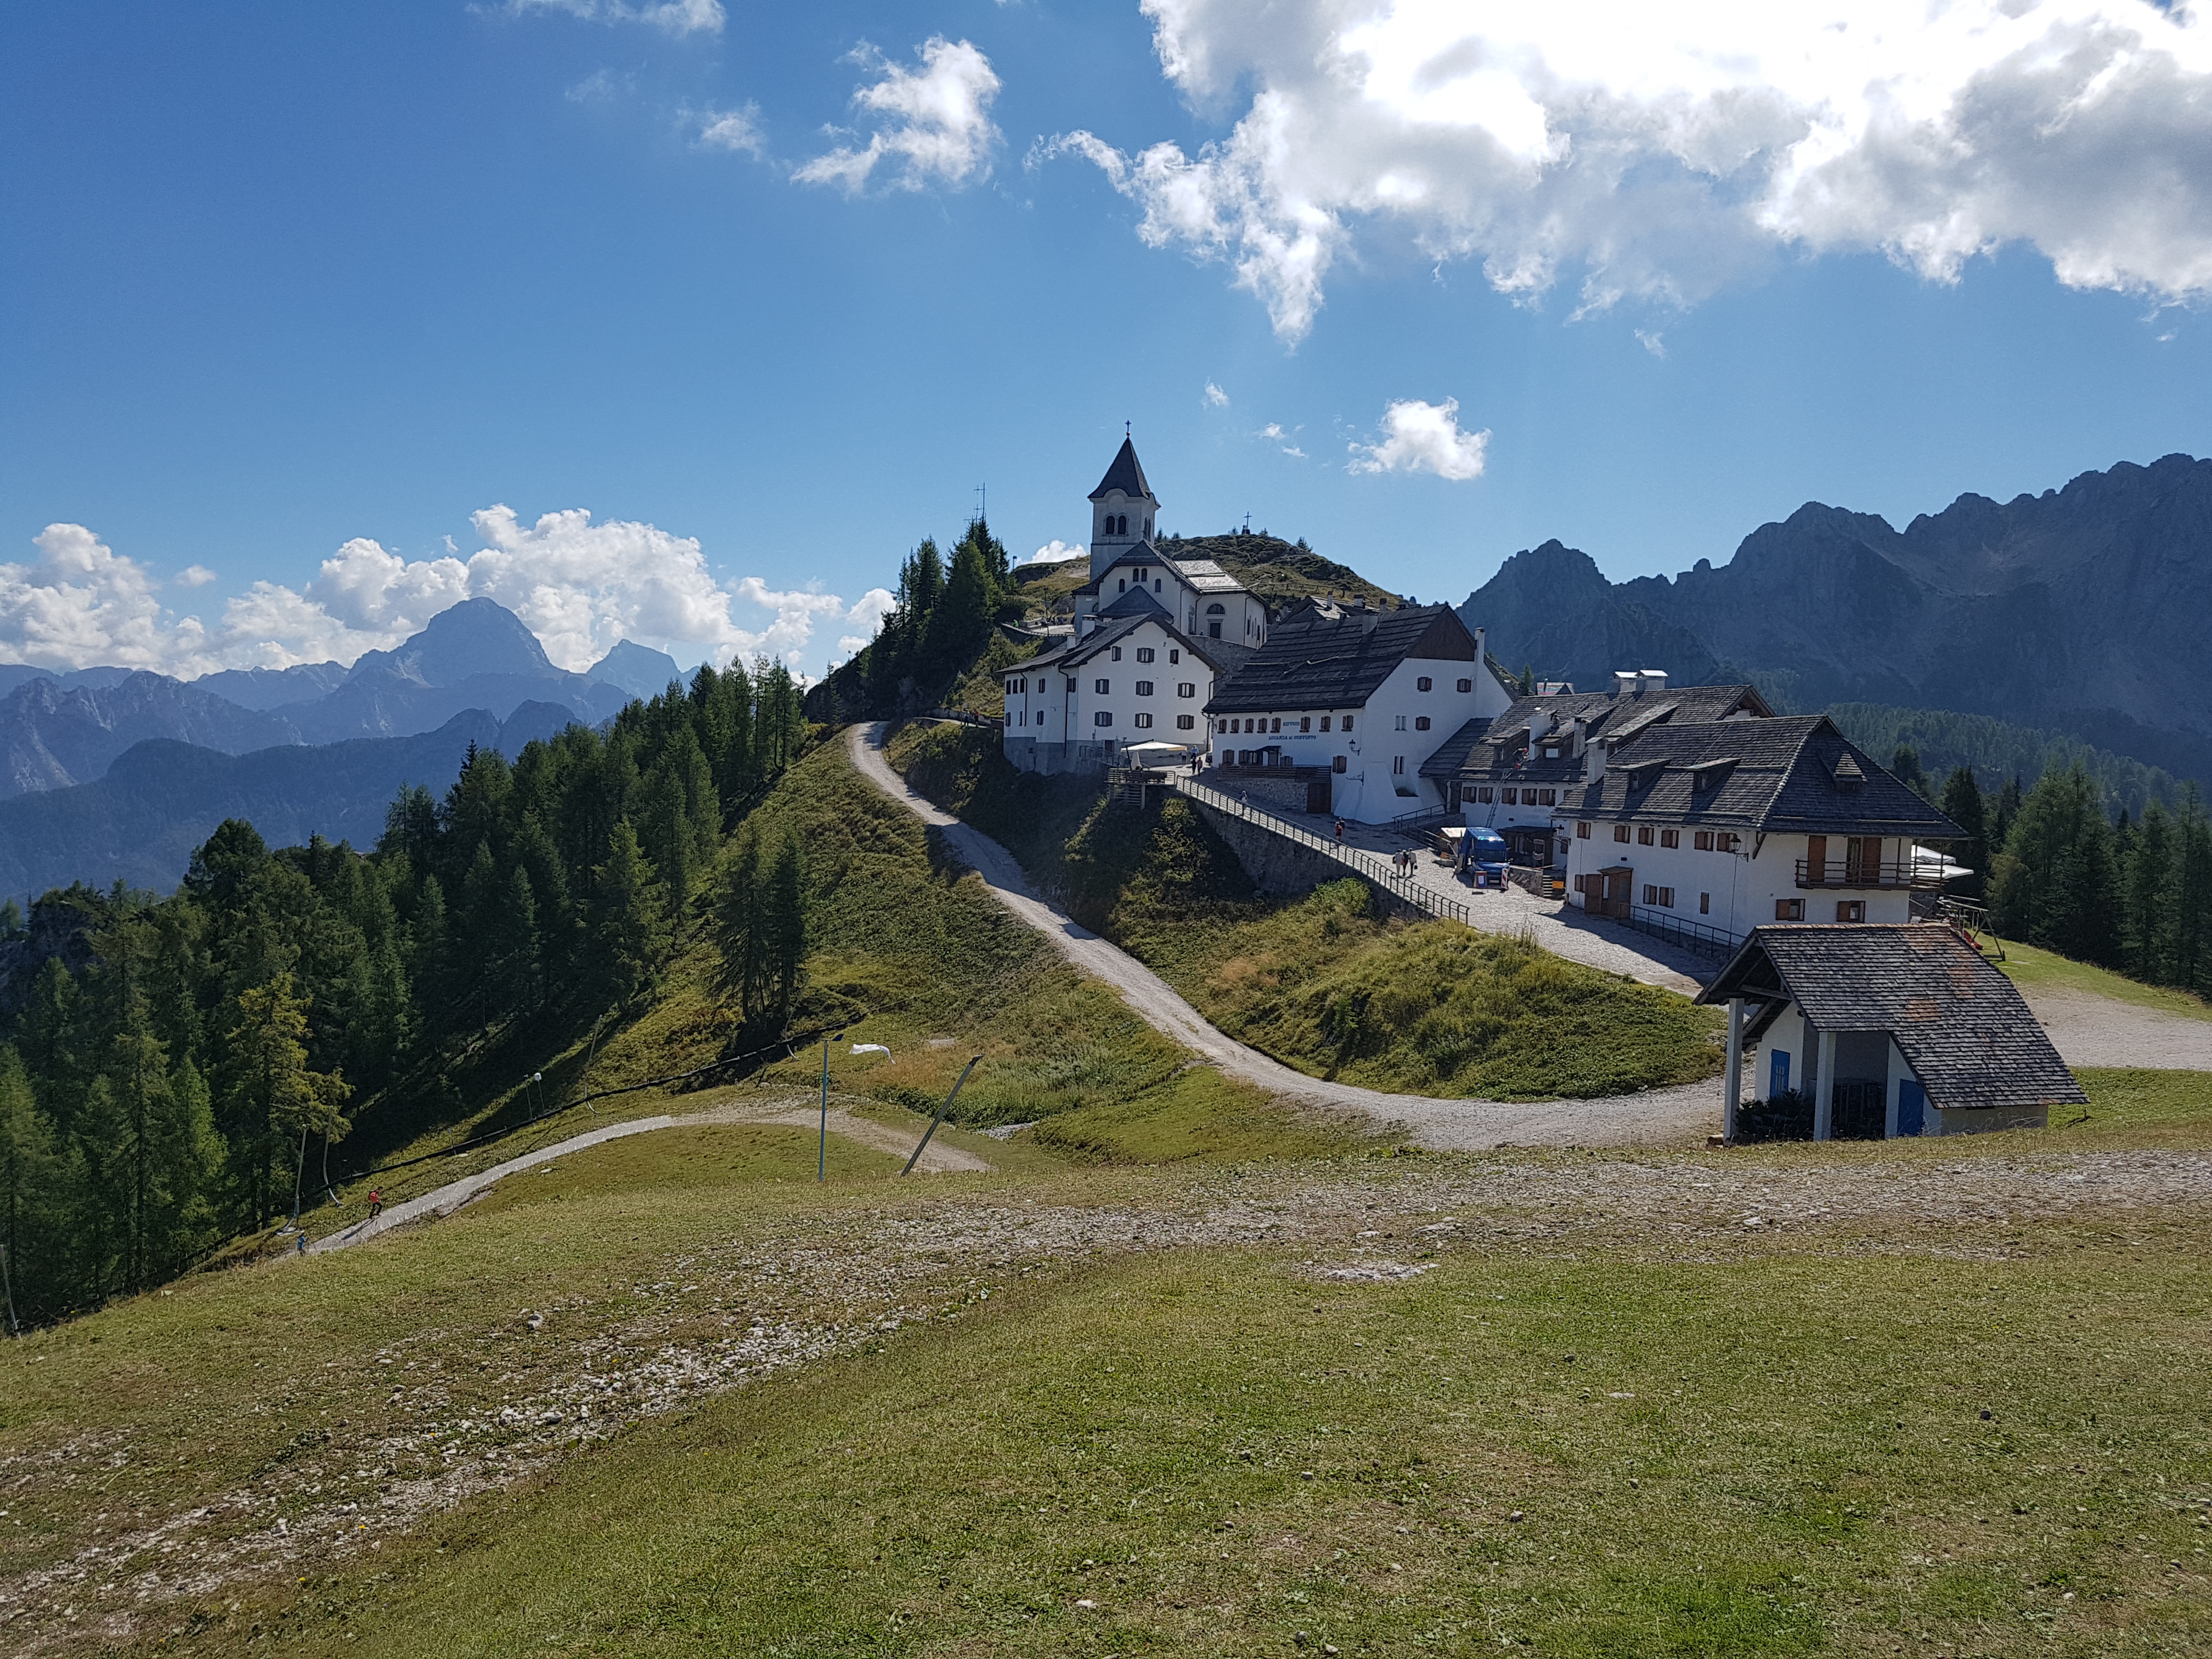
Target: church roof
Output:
[
  {"x": 1126, "y": 474},
  {"x": 1137, "y": 601}
]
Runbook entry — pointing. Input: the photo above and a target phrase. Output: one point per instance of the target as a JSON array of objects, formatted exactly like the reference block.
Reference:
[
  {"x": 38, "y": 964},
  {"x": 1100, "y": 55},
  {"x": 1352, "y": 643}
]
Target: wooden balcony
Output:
[{"x": 1864, "y": 874}]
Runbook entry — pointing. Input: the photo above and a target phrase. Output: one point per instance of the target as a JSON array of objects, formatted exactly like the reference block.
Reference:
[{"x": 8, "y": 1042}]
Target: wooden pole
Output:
[{"x": 939, "y": 1118}]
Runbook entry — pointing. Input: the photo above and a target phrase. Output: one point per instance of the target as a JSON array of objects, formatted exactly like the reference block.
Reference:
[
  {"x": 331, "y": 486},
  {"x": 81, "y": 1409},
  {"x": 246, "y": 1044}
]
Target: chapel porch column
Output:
[
  {"x": 1823, "y": 1108},
  {"x": 1732, "y": 1094}
]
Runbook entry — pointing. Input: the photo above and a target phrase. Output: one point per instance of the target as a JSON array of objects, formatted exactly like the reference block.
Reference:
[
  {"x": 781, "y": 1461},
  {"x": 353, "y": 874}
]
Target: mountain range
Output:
[
  {"x": 2079, "y": 609},
  {"x": 60, "y": 729}
]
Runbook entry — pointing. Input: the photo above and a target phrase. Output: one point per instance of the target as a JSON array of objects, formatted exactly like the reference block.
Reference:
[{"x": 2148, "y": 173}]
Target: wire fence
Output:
[{"x": 1401, "y": 884}]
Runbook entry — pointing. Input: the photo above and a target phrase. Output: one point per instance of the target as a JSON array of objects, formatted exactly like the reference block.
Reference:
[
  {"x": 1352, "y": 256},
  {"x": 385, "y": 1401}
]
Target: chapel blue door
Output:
[
  {"x": 1778, "y": 1073},
  {"x": 1912, "y": 1107}
]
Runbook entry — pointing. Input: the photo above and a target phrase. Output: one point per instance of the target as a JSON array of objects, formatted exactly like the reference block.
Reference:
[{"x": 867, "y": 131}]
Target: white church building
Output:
[{"x": 1154, "y": 639}]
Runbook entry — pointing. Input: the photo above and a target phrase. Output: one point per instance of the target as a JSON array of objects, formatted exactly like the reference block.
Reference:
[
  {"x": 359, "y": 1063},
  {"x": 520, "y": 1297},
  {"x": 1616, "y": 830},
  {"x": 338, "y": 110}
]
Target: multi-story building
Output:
[
  {"x": 1514, "y": 771},
  {"x": 1200, "y": 597},
  {"x": 1357, "y": 700},
  {"x": 1722, "y": 825}
]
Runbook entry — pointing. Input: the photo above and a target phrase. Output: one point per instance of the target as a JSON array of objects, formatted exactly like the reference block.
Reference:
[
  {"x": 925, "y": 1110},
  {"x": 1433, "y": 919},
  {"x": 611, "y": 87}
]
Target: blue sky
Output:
[{"x": 289, "y": 296}]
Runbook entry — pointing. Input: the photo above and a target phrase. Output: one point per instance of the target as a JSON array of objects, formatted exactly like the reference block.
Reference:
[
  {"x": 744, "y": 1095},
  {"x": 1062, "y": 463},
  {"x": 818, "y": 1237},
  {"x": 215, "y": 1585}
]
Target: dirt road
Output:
[{"x": 1658, "y": 1117}]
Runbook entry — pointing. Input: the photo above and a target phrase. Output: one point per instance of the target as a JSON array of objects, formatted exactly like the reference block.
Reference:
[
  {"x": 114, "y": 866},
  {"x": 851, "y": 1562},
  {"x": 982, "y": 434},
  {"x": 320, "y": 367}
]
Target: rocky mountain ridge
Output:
[{"x": 2078, "y": 610}]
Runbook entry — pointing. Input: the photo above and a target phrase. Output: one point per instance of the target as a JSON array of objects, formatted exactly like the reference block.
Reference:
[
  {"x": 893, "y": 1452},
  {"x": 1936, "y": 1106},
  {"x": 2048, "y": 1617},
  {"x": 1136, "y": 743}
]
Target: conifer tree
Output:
[
  {"x": 632, "y": 911},
  {"x": 272, "y": 1094},
  {"x": 1962, "y": 805},
  {"x": 33, "y": 1200},
  {"x": 2150, "y": 868},
  {"x": 740, "y": 936},
  {"x": 785, "y": 921}
]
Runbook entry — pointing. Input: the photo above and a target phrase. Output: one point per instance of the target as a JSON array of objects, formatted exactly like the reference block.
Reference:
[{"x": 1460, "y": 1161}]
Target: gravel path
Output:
[
  {"x": 2094, "y": 1030},
  {"x": 444, "y": 1200},
  {"x": 1657, "y": 1116}
]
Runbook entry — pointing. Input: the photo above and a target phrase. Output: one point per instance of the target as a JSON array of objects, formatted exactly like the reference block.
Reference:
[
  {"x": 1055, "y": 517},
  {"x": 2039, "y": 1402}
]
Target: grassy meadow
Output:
[{"x": 1574, "y": 1427}]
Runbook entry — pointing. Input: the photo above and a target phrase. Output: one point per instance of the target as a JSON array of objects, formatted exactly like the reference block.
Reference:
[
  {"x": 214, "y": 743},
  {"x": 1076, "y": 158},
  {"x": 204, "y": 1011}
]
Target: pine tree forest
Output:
[{"x": 179, "y": 1070}]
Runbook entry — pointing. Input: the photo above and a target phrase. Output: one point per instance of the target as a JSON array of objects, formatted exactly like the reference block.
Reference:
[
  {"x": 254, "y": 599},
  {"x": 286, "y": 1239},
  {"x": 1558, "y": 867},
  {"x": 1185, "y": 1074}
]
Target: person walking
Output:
[
  {"x": 1339, "y": 832},
  {"x": 375, "y": 1202}
]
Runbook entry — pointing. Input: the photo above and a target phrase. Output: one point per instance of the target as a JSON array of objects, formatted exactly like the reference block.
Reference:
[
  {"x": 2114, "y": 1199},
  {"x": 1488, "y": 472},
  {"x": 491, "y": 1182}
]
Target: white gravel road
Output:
[{"x": 1658, "y": 1117}]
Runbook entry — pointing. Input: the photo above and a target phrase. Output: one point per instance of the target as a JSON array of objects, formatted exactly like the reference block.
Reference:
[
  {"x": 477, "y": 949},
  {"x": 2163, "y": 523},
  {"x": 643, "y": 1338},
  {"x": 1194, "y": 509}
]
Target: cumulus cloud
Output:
[
  {"x": 1057, "y": 552},
  {"x": 1274, "y": 432},
  {"x": 932, "y": 124},
  {"x": 1660, "y": 151},
  {"x": 1653, "y": 342},
  {"x": 1418, "y": 437},
  {"x": 673, "y": 17},
  {"x": 79, "y": 603},
  {"x": 579, "y": 587},
  {"x": 195, "y": 575},
  {"x": 1214, "y": 396},
  {"x": 735, "y": 130}
]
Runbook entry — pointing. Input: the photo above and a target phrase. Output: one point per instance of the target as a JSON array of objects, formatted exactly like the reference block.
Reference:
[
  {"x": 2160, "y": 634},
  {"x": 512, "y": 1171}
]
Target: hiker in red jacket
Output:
[{"x": 375, "y": 1202}]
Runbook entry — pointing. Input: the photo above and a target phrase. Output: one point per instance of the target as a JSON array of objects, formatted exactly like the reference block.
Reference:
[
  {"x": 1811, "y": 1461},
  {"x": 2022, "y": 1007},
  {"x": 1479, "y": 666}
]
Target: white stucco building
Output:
[
  {"x": 1358, "y": 699},
  {"x": 1201, "y": 598},
  {"x": 1716, "y": 827}
]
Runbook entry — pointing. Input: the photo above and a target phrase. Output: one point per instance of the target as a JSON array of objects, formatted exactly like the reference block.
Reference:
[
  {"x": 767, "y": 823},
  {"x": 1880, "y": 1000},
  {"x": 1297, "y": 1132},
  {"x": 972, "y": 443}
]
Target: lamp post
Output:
[{"x": 821, "y": 1145}]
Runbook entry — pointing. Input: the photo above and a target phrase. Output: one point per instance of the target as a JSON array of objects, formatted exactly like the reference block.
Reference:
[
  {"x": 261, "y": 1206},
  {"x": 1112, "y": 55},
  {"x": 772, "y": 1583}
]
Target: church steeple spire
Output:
[{"x": 1122, "y": 508}]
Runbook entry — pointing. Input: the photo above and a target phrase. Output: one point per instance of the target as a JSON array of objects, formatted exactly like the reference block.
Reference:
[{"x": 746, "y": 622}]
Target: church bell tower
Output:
[{"x": 1122, "y": 509}]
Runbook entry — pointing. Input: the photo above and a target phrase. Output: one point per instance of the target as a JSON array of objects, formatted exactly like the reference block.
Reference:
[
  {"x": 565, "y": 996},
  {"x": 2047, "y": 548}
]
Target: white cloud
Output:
[
  {"x": 1660, "y": 151},
  {"x": 80, "y": 603},
  {"x": 1420, "y": 437},
  {"x": 735, "y": 130},
  {"x": 674, "y": 16},
  {"x": 579, "y": 585},
  {"x": 1275, "y": 434},
  {"x": 1214, "y": 396},
  {"x": 1057, "y": 552},
  {"x": 1654, "y": 342},
  {"x": 599, "y": 86},
  {"x": 195, "y": 575},
  {"x": 936, "y": 125}
]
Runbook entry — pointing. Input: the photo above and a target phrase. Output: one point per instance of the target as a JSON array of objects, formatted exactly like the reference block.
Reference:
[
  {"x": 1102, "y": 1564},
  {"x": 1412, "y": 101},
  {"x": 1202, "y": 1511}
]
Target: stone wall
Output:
[{"x": 1291, "y": 869}]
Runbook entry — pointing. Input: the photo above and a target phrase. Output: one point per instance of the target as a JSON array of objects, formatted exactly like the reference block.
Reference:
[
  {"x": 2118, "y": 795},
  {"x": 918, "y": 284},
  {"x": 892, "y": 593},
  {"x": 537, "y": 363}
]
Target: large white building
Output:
[
  {"x": 1514, "y": 771},
  {"x": 1719, "y": 826},
  {"x": 1358, "y": 699},
  {"x": 1134, "y": 678}
]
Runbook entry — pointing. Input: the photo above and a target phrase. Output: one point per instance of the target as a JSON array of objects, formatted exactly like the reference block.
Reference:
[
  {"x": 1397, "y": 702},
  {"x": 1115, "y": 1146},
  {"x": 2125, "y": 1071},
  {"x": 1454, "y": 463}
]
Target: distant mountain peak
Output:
[
  {"x": 477, "y": 636},
  {"x": 637, "y": 669}
]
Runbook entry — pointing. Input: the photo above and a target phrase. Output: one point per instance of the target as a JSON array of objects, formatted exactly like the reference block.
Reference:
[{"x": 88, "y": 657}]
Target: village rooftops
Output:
[
  {"x": 1451, "y": 754},
  {"x": 1316, "y": 661},
  {"x": 1606, "y": 717},
  {"x": 1961, "y": 1025},
  {"x": 1797, "y": 775}
]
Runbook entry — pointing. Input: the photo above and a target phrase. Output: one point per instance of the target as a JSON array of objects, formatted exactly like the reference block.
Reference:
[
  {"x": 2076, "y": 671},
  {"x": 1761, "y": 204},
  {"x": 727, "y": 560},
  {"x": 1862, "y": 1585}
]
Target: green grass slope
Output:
[
  {"x": 1568, "y": 1435},
  {"x": 1322, "y": 983}
]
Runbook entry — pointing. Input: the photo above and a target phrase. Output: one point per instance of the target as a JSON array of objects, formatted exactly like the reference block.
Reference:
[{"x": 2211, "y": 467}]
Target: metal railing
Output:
[
  {"x": 1372, "y": 866},
  {"x": 1696, "y": 935},
  {"x": 1866, "y": 874}
]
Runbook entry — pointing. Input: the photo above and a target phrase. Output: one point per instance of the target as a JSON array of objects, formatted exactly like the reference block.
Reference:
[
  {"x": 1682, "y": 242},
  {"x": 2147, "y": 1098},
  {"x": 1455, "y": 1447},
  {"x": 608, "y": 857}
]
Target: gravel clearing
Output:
[
  {"x": 731, "y": 1312},
  {"x": 2093, "y": 1030}
]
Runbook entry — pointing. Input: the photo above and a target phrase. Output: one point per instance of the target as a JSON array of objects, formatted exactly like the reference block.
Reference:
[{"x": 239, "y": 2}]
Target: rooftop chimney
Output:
[
  {"x": 1655, "y": 680},
  {"x": 1624, "y": 682}
]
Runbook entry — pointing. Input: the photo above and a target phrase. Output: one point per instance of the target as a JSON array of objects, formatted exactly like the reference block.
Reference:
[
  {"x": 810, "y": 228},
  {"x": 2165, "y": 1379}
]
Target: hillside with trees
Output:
[{"x": 176, "y": 1071}]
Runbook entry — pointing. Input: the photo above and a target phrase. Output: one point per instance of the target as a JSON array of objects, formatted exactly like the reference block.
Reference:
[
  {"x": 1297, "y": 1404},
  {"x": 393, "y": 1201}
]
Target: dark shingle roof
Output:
[
  {"x": 1451, "y": 753},
  {"x": 1604, "y": 718},
  {"x": 1777, "y": 776},
  {"x": 1964, "y": 1030},
  {"x": 1137, "y": 601},
  {"x": 1315, "y": 661},
  {"x": 1124, "y": 475}
]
